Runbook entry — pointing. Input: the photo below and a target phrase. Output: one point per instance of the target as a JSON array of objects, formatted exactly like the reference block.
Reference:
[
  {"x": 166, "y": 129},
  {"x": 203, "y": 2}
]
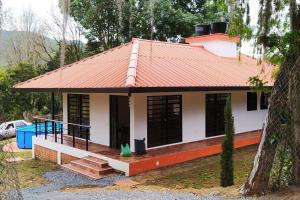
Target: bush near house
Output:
[{"x": 227, "y": 147}]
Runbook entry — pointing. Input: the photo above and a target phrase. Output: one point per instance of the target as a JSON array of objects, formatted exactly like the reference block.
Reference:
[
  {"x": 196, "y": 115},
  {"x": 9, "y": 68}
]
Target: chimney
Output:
[{"x": 213, "y": 38}]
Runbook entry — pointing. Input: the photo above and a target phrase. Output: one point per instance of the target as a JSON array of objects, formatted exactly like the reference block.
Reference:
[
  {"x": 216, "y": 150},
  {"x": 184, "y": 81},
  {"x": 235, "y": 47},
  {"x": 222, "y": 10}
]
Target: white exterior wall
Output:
[
  {"x": 99, "y": 117},
  {"x": 193, "y": 115},
  {"x": 219, "y": 47},
  {"x": 246, "y": 120}
]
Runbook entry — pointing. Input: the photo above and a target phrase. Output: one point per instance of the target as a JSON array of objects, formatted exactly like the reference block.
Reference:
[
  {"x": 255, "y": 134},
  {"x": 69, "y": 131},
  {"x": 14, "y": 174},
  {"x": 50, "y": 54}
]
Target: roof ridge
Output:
[{"x": 131, "y": 73}]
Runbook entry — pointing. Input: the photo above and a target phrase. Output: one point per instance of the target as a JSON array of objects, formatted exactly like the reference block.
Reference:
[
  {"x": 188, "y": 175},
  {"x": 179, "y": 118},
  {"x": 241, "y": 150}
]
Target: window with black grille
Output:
[
  {"x": 214, "y": 114},
  {"x": 79, "y": 113},
  {"x": 251, "y": 101},
  {"x": 164, "y": 120},
  {"x": 264, "y": 100}
]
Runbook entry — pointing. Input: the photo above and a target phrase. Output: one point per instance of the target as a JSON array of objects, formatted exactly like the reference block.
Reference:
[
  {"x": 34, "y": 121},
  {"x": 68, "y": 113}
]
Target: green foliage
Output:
[
  {"x": 15, "y": 103},
  {"x": 279, "y": 31},
  {"x": 240, "y": 19},
  {"x": 258, "y": 84},
  {"x": 109, "y": 23},
  {"x": 73, "y": 53},
  {"x": 227, "y": 147}
]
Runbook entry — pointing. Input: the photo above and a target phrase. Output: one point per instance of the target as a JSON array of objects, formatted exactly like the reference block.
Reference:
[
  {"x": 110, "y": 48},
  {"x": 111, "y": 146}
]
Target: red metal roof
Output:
[{"x": 159, "y": 64}]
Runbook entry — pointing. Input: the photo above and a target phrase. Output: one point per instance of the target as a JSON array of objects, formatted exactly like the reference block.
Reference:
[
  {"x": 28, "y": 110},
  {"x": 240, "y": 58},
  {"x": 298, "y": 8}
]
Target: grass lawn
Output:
[
  {"x": 200, "y": 173},
  {"x": 29, "y": 171}
]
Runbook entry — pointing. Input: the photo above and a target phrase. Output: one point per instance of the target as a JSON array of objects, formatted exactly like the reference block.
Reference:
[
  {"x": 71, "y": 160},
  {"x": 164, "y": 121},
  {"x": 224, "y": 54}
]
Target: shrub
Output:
[{"x": 227, "y": 147}]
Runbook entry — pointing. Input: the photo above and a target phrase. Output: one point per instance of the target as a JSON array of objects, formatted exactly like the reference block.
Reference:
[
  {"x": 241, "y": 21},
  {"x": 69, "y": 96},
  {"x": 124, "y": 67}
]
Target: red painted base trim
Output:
[{"x": 182, "y": 156}]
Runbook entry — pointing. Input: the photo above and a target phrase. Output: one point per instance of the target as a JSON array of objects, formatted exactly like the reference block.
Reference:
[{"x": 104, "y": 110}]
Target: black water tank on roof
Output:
[
  {"x": 218, "y": 27},
  {"x": 202, "y": 29}
]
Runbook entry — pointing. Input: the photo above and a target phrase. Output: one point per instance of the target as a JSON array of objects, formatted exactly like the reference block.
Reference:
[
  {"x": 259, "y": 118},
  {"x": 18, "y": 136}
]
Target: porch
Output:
[{"x": 70, "y": 149}]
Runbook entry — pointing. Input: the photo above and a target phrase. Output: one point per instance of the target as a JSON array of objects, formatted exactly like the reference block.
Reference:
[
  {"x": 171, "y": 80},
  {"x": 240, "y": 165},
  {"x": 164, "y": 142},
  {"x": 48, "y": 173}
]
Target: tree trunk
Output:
[
  {"x": 295, "y": 120},
  {"x": 257, "y": 182}
]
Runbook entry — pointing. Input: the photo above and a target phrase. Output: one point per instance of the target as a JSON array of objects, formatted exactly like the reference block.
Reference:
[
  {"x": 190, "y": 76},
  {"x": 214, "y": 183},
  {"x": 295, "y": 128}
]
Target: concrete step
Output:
[
  {"x": 86, "y": 166},
  {"x": 71, "y": 168},
  {"x": 89, "y": 166},
  {"x": 97, "y": 162}
]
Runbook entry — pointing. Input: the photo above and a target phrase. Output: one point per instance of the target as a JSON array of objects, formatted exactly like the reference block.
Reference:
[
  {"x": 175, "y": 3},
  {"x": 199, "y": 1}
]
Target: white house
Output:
[{"x": 168, "y": 93}]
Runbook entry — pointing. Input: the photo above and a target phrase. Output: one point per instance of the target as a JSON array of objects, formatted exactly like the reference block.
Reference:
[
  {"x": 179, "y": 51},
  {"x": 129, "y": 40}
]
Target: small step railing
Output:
[{"x": 57, "y": 129}]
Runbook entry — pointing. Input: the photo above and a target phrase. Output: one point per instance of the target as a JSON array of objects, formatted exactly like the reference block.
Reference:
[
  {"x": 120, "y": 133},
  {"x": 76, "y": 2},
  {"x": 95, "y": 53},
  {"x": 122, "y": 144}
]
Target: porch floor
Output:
[{"x": 164, "y": 156}]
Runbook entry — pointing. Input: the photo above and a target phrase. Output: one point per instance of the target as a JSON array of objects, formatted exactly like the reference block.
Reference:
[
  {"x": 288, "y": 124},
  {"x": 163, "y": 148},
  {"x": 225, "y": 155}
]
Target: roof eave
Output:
[
  {"x": 135, "y": 89},
  {"x": 189, "y": 89},
  {"x": 74, "y": 90}
]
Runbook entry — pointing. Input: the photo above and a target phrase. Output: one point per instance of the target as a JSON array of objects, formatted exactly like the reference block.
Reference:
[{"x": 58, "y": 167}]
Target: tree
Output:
[
  {"x": 73, "y": 52},
  {"x": 227, "y": 147},
  {"x": 16, "y": 103},
  {"x": 23, "y": 47},
  {"x": 294, "y": 103},
  {"x": 65, "y": 7},
  {"x": 108, "y": 23},
  {"x": 279, "y": 40}
]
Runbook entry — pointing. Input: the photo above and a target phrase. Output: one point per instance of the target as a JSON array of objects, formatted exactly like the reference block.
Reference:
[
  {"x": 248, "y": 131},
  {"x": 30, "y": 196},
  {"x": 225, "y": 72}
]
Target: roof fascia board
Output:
[
  {"x": 81, "y": 90},
  {"x": 187, "y": 89},
  {"x": 133, "y": 89}
]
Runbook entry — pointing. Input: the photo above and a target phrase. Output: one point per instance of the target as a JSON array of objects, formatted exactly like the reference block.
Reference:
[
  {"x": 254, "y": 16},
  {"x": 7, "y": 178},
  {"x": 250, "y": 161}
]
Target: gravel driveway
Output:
[
  {"x": 60, "y": 179},
  {"x": 117, "y": 195}
]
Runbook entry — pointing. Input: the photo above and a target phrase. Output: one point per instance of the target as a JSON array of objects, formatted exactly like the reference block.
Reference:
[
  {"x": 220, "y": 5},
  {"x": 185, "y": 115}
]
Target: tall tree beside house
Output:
[
  {"x": 227, "y": 147},
  {"x": 278, "y": 38}
]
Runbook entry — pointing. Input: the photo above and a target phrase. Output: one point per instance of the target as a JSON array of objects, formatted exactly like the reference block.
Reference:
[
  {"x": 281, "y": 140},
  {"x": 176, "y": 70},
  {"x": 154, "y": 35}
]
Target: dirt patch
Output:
[
  {"x": 126, "y": 183},
  {"x": 291, "y": 193},
  {"x": 13, "y": 147},
  {"x": 78, "y": 187}
]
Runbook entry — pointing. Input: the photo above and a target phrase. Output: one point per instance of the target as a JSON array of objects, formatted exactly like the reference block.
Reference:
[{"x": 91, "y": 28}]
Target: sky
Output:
[{"x": 44, "y": 8}]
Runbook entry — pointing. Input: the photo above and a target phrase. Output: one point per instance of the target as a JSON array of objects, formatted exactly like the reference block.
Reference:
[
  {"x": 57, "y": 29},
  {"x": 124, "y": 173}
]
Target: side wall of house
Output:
[{"x": 193, "y": 115}]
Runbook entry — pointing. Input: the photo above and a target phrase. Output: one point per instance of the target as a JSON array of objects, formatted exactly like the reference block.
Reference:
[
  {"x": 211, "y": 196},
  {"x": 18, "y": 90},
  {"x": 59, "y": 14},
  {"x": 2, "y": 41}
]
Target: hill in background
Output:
[{"x": 6, "y": 39}]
